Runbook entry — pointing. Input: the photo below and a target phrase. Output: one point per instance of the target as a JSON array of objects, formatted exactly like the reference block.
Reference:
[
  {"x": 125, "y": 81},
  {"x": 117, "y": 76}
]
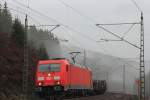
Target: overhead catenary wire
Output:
[
  {"x": 66, "y": 26},
  {"x": 119, "y": 23},
  {"x": 137, "y": 6},
  {"x": 56, "y": 20},
  {"x": 52, "y": 19},
  {"x": 126, "y": 32},
  {"x": 35, "y": 11},
  {"x": 76, "y": 42},
  {"x": 93, "y": 21},
  {"x": 23, "y": 13},
  {"x": 39, "y": 25},
  {"x": 28, "y": 15},
  {"x": 67, "y": 5},
  {"x": 81, "y": 14},
  {"x": 89, "y": 18},
  {"x": 73, "y": 38},
  {"x": 110, "y": 32},
  {"x": 45, "y": 25},
  {"x": 33, "y": 19},
  {"x": 78, "y": 12}
]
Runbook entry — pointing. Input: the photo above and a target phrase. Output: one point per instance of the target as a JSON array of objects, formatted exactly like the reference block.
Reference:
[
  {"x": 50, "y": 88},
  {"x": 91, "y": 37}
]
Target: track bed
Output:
[{"x": 107, "y": 96}]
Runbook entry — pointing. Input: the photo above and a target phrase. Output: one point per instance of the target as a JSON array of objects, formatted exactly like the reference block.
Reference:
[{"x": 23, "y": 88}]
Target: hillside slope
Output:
[
  {"x": 11, "y": 65},
  {"x": 11, "y": 60}
]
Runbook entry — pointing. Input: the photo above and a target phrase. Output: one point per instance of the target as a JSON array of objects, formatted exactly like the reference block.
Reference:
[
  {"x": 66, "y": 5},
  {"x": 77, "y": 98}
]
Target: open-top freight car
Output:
[{"x": 59, "y": 76}]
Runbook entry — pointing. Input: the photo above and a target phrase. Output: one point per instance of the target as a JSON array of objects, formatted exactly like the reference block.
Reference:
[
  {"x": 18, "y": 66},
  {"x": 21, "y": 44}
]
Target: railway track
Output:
[{"x": 107, "y": 96}]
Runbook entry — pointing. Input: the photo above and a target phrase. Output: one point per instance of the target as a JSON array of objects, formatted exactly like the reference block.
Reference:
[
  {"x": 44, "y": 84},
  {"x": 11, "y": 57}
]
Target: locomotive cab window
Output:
[{"x": 49, "y": 67}]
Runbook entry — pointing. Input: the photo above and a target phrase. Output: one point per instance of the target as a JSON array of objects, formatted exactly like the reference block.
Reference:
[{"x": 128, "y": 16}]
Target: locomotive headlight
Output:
[
  {"x": 56, "y": 77},
  {"x": 49, "y": 74},
  {"x": 40, "y": 84},
  {"x": 40, "y": 78},
  {"x": 58, "y": 82}
]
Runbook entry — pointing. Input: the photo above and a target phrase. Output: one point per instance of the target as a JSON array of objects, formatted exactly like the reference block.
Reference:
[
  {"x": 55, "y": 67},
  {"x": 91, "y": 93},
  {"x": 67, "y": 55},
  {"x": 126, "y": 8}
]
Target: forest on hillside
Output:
[{"x": 12, "y": 35}]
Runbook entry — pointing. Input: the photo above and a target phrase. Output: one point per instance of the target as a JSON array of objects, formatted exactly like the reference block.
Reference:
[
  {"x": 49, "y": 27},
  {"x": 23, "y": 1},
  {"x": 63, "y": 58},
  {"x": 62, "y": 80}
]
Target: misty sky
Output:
[{"x": 93, "y": 11}]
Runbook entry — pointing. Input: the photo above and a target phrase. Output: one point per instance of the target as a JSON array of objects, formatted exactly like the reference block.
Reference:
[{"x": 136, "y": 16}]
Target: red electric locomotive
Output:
[{"x": 60, "y": 76}]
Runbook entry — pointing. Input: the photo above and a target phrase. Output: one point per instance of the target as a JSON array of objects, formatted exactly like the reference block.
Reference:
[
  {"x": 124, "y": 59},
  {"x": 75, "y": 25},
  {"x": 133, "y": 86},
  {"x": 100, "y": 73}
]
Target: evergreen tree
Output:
[
  {"x": 1, "y": 18},
  {"x": 5, "y": 19},
  {"x": 18, "y": 32}
]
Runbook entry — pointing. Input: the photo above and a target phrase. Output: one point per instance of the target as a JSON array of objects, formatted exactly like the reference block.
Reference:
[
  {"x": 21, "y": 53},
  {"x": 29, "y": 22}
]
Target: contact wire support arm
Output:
[{"x": 99, "y": 25}]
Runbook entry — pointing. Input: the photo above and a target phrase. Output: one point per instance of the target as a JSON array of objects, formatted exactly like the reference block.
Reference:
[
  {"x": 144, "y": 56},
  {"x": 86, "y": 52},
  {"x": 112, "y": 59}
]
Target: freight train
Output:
[{"x": 59, "y": 76}]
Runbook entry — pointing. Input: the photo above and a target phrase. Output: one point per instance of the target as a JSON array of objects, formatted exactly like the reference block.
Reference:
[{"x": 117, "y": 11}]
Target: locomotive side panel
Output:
[{"x": 80, "y": 78}]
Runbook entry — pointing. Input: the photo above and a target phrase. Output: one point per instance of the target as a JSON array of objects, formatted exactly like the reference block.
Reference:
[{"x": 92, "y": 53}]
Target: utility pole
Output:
[
  {"x": 142, "y": 64},
  {"x": 84, "y": 58},
  {"x": 124, "y": 79},
  {"x": 141, "y": 48},
  {"x": 107, "y": 78},
  {"x": 26, "y": 63}
]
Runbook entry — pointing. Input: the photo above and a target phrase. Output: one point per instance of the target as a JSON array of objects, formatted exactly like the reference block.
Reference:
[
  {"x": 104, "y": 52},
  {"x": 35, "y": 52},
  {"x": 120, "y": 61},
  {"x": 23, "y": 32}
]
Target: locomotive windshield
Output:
[{"x": 49, "y": 68}]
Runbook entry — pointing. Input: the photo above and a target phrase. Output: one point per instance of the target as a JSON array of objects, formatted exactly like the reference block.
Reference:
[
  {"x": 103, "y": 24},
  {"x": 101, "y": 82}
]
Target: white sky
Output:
[{"x": 102, "y": 11}]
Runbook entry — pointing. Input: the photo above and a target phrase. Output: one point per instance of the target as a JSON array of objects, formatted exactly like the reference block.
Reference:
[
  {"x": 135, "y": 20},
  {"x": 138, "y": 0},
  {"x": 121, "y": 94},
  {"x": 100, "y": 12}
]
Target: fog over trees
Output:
[{"x": 5, "y": 19}]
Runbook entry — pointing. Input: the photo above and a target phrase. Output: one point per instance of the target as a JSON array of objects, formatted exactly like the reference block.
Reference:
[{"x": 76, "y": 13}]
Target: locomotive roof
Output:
[{"x": 52, "y": 60}]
